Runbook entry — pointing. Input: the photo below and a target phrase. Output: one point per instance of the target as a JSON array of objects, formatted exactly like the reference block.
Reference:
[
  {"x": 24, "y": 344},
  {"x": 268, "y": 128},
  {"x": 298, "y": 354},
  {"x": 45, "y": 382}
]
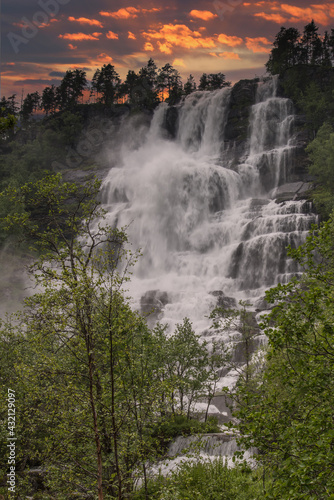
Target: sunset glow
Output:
[
  {"x": 196, "y": 37},
  {"x": 83, "y": 20},
  {"x": 205, "y": 15}
]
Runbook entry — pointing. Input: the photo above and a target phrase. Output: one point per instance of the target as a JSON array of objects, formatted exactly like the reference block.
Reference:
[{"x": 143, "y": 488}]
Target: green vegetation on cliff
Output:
[
  {"x": 98, "y": 392},
  {"x": 287, "y": 412}
]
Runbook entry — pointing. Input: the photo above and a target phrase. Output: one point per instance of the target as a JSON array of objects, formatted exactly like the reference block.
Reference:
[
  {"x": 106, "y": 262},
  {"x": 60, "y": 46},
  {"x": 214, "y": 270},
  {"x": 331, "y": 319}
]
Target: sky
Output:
[{"x": 41, "y": 39}]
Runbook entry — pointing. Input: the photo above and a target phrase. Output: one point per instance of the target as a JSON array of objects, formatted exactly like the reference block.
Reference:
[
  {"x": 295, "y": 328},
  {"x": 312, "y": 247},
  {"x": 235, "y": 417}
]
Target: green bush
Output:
[{"x": 207, "y": 481}]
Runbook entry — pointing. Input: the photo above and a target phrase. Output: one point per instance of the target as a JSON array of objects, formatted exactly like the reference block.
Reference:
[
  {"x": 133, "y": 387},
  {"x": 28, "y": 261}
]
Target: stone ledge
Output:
[{"x": 291, "y": 192}]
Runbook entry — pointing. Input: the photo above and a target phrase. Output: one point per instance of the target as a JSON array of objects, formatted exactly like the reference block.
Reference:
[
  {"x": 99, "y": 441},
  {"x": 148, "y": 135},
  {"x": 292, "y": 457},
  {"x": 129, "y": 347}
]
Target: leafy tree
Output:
[
  {"x": 285, "y": 52},
  {"x": 321, "y": 154},
  {"x": 331, "y": 45},
  {"x": 71, "y": 88},
  {"x": 8, "y": 106},
  {"x": 242, "y": 321},
  {"x": 131, "y": 88},
  {"x": 30, "y": 104},
  {"x": 8, "y": 120},
  {"x": 190, "y": 85},
  {"x": 314, "y": 102},
  {"x": 91, "y": 378},
  {"x": 186, "y": 364},
  {"x": 288, "y": 415},
  {"x": 169, "y": 84},
  {"x": 49, "y": 100},
  {"x": 326, "y": 52},
  {"x": 141, "y": 89},
  {"x": 106, "y": 81},
  {"x": 77, "y": 322},
  {"x": 7, "y": 123},
  {"x": 148, "y": 76},
  {"x": 213, "y": 81},
  {"x": 310, "y": 45}
]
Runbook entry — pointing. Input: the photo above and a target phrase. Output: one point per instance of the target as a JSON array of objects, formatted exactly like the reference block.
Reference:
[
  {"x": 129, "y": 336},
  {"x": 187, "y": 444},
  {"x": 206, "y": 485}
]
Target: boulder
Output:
[
  {"x": 224, "y": 301},
  {"x": 153, "y": 302}
]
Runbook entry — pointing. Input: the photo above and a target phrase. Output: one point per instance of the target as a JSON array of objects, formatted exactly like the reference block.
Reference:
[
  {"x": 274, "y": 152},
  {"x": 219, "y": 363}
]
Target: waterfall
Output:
[
  {"x": 209, "y": 444},
  {"x": 204, "y": 225},
  {"x": 204, "y": 447},
  {"x": 206, "y": 213}
]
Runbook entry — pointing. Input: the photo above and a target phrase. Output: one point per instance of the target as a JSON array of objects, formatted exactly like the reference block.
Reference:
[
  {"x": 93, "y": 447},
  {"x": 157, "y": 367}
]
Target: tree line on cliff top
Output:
[{"x": 144, "y": 89}]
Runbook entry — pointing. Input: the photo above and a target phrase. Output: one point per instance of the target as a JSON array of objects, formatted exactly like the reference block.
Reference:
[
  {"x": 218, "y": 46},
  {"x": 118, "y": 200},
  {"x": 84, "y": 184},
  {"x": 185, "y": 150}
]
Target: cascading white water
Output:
[
  {"x": 202, "y": 226},
  {"x": 208, "y": 228}
]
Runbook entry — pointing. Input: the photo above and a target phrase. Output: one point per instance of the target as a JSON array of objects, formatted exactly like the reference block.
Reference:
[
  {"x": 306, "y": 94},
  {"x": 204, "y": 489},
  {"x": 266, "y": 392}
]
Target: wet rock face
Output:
[
  {"x": 223, "y": 301},
  {"x": 242, "y": 98},
  {"x": 291, "y": 191},
  {"x": 171, "y": 121},
  {"x": 153, "y": 302}
]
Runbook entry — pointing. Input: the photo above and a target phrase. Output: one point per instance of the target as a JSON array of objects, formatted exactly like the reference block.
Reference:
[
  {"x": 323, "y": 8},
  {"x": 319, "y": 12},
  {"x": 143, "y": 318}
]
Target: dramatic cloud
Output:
[
  {"x": 321, "y": 14},
  {"x": 104, "y": 58},
  {"x": 112, "y": 36},
  {"x": 285, "y": 13},
  {"x": 257, "y": 45},
  {"x": 79, "y": 37},
  {"x": 199, "y": 36},
  {"x": 165, "y": 48},
  {"x": 276, "y": 18},
  {"x": 178, "y": 35},
  {"x": 148, "y": 47},
  {"x": 205, "y": 15},
  {"x": 127, "y": 13},
  {"x": 229, "y": 55},
  {"x": 84, "y": 20},
  {"x": 231, "y": 41}
]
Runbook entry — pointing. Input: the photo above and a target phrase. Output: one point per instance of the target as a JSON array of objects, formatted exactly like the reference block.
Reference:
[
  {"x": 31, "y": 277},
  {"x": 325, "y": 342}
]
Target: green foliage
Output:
[
  {"x": 30, "y": 104},
  {"x": 288, "y": 415},
  {"x": 321, "y": 154},
  {"x": 190, "y": 85},
  {"x": 316, "y": 105},
  {"x": 171, "y": 427},
  {"x": 202, "y": 480},
  {"x": 7, "y": 123},
  {"x": 70, "y": 89},
  {"x": 284, "y": 53},
  {"x": 106, "y": 81},
  {"x": 169, "y": 84},
  {"x": 213, "y": 81},
  {"x": 291, "y": 49},
  {"x": 242, "y": 321},
  {"x": 91, "y": 379}
]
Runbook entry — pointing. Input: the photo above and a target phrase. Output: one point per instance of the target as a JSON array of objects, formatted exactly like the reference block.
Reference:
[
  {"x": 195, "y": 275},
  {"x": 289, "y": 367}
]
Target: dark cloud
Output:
[{"x": 36, "y": 81}]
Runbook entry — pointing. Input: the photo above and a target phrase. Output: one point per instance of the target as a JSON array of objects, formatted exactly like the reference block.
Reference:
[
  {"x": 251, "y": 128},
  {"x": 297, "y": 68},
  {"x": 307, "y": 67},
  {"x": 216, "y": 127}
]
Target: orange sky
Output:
[{"x": 44, "y": 39}]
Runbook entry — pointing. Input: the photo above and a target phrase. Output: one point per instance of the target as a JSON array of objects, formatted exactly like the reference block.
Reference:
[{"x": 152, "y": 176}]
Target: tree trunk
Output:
[{"x": 96, "y": 429}]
